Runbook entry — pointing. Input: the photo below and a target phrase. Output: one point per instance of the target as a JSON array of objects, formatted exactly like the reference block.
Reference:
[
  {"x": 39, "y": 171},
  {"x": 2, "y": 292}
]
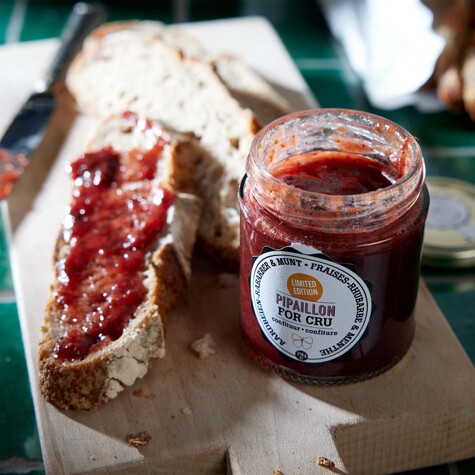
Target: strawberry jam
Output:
[
  {"x": 334, "y": 173},
  {"x": 11, "y": 168},
  {"x": 332, "y": 216},
  {"x": 110, "y": 227}
]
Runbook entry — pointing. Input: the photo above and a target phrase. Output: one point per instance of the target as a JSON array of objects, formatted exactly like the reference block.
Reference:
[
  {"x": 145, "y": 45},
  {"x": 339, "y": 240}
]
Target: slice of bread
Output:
[
  {"x": 87, "y": 381},
  {"x": 250, "y": 89},
  {"x": 245, "y": 85},
  {"x": 164, "y": 74}
]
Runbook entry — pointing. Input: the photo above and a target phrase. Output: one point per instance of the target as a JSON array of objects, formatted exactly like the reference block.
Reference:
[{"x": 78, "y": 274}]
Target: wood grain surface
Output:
[{"x": 224, "y": 414}]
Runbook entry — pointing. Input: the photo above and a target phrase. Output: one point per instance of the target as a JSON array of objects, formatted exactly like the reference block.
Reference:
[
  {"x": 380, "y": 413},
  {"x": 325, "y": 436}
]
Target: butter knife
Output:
[{"x": 27, "y": 129}]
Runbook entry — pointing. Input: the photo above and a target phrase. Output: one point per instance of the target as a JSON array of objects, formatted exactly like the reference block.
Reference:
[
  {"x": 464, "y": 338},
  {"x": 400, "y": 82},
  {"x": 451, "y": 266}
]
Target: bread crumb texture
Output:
[
  {"x": 324, "y": 462},
  {"x": 139, "y": 440},
  {"x": 204, "y": 347}
]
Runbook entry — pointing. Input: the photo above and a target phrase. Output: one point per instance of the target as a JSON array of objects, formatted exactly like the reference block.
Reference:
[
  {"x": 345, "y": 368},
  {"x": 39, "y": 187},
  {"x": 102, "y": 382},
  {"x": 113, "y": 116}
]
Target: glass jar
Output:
[{"x": 329, "y": 279}]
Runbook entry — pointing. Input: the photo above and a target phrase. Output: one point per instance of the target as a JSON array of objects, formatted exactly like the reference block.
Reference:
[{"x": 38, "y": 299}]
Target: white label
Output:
[{"x": 309, "y": 307}]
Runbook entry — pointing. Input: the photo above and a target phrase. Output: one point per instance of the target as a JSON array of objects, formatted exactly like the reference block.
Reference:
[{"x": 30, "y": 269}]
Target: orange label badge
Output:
[{"x": 304, "y": 287}]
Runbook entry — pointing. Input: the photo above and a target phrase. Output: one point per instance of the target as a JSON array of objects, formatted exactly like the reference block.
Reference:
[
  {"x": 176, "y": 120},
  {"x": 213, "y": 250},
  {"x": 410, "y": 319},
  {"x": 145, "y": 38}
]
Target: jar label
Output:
[{"x": 309, "y": 307}]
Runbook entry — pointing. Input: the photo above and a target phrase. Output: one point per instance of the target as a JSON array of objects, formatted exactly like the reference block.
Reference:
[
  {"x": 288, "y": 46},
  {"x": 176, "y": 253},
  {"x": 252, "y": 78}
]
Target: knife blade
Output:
[{"x": 28, "y": 127}]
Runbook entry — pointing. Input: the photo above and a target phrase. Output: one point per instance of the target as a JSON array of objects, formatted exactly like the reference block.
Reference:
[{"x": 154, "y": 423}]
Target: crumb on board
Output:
[
  {"x": 187, "y": 411},
  {"x": 204, "y": 347},
  {"x": 139, "y": 440},
  {"x": 277, "y": 472},
  {"x": 226, "y": 280},
  {"x": 324, "y": 462}
]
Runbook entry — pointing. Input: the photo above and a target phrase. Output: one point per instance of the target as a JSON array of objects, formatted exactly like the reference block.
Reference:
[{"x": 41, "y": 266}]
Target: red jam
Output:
[
  {"x": 330, "y": 246},
  {"x": 110, "y": 227},
  {"x": 137, "y": 165},
  {"x": 11, "y": 168},
  {"x": 334, "y": 173}
]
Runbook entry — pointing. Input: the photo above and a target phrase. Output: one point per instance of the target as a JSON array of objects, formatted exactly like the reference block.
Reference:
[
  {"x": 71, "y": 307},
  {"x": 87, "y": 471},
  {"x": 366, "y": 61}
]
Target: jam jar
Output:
[{"x": 333, "y": 206}]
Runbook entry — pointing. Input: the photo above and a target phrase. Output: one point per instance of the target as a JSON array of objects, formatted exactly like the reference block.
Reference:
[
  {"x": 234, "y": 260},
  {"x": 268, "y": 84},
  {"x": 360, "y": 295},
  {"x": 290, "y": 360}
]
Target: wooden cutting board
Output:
[{"x": 225, "y": 414}]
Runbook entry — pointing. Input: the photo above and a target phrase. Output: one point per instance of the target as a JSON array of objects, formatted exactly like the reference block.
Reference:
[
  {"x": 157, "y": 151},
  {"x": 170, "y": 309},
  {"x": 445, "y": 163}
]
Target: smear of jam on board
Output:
[
  {"x": 115, "y": 216},
  {"x": 11, "y": 168},
  {"x": 335, "y": 173}
]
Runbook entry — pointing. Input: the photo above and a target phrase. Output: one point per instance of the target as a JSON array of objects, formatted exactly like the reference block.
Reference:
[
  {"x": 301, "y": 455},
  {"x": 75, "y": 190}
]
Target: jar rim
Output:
[{"x": 395, "y": 198}]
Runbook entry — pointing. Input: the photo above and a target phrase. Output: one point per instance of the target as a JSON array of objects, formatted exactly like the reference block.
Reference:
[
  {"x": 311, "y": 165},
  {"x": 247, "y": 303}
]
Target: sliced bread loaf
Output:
[
  {"x": 121, "y": 260},
  {"x": 159, "y": 72},
  {"x": 248, "y": 87}
]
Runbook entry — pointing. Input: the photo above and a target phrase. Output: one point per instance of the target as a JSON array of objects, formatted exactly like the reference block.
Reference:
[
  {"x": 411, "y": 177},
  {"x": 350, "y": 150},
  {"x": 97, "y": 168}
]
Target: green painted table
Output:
[{"x": 448, "y": 141}]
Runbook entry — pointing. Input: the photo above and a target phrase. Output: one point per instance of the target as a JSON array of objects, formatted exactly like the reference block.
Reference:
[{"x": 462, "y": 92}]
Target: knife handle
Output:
[{"x": 82, "y": 20}]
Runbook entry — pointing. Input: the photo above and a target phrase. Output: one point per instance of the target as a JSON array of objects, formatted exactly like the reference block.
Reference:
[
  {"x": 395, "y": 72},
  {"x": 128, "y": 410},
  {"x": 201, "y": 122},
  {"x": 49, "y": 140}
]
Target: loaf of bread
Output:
[
  {"x": 453, "y": 25},
  {"x": 87, "y": 355},
  {"x": 164, "y": 74}
]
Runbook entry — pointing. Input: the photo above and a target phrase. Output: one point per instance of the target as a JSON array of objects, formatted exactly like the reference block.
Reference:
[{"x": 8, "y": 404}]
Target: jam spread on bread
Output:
[{"x": 114, "y": 219}]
